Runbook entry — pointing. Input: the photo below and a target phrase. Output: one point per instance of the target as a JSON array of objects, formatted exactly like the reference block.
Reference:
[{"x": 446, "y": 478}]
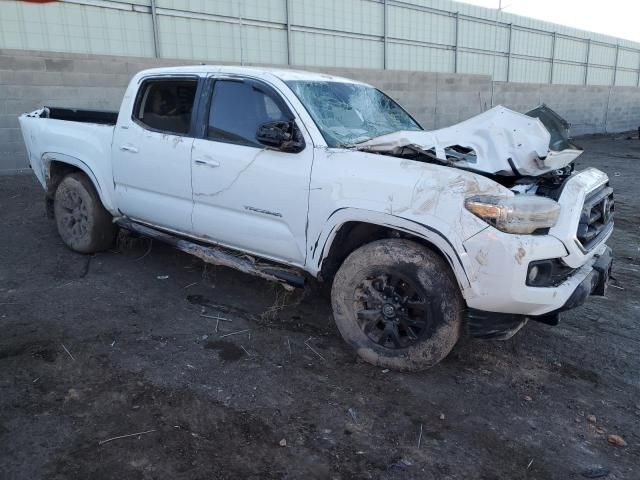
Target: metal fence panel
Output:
[
  {"x": 626, "y": 78},
  {"x": 483, "y": 36},
  {"x": 532, "y": 44},
  {"x": 421, "y": 26},
  {"x": 602, "y": 54},
  {"x": 264, "y": 45},
  {"x": 568, "y": 73},
  {"x": 600, "y": 76},
  {"x": 349, "y": 16},
  {"x": 317, "y": 49},
  {"x": 420, "y": 58},
  {"x": 571, "y": 50},
  {"x": 629, "y": 59},
  {"x": 483, "y": 63},
  {"x": 199, "y": 39},
  {"x": 530, "y": 71},
  {"x": 420, "y": 35},
  {"x": 69, "y": 27}
]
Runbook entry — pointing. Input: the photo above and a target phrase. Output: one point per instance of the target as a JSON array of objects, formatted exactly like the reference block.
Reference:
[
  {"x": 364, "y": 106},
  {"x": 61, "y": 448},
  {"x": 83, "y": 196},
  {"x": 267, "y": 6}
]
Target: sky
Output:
[{"x": 619, "y": 18}]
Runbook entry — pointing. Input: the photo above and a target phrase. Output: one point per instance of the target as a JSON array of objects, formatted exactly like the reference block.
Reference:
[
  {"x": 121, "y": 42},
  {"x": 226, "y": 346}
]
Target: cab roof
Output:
[{"x": 283, "y": 74}]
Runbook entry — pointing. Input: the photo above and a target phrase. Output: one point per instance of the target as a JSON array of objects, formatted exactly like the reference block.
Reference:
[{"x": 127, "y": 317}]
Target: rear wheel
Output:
[
  {"x": 398, "y": 304},
  {"x": 83, "y": 223}
]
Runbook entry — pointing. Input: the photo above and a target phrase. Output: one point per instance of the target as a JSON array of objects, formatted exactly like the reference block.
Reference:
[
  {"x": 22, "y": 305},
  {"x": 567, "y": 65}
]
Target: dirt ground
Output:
[{"x": 96, "y": 347}]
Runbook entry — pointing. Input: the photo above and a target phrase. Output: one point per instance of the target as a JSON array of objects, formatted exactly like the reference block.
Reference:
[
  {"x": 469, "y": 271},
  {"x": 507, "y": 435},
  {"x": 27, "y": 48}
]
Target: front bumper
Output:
[
  {"x": 497, "y": 263},
  {"x": 595, "y": 283},
  {"x": 483, "y": 324},
  {"x": 497, "y": 270}
]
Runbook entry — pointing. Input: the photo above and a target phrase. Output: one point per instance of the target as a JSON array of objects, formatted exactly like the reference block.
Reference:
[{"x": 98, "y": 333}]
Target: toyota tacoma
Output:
[{"x": 425, "y": 236}]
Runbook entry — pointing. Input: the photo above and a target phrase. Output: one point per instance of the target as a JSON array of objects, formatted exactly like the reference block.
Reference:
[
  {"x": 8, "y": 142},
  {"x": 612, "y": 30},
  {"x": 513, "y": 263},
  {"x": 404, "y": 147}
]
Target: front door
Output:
[
  {"x": 244, "y": 194},
  {"x": 152, "y": 154}
]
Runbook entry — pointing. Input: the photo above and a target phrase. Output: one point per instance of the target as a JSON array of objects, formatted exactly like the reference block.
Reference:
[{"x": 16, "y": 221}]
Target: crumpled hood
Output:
[{"x": 498, "y": 141}]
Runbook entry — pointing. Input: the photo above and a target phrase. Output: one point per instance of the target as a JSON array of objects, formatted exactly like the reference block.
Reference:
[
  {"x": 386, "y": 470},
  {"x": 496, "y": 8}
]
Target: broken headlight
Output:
[
  {"x": 518, "y": 214},
  {"x": 548, "y": 273}
]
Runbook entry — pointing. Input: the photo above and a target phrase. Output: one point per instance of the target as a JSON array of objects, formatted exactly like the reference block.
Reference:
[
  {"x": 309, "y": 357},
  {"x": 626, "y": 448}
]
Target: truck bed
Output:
[
  {"x": 102, "y": 117},
  {"x": 72, "y": 136}
]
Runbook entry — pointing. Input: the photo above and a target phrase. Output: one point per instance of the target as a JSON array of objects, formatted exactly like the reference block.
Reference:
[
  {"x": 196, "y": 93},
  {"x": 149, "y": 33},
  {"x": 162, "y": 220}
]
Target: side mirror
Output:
[{"x": 283, "y": 136}]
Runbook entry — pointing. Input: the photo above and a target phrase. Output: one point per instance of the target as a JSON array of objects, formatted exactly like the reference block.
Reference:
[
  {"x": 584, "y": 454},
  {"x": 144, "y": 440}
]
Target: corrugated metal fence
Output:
[{"x": 420, "y": 35}]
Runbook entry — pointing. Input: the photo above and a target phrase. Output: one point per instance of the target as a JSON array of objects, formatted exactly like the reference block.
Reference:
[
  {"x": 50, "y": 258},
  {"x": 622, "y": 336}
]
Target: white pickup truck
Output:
[{"x": 425, "y": 235}]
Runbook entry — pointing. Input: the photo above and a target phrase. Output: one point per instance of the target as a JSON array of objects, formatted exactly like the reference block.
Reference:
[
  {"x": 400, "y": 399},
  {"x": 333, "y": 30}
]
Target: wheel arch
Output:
[
  {"x": 350, "y": 234},
  {"x": 57, "y": 166}
]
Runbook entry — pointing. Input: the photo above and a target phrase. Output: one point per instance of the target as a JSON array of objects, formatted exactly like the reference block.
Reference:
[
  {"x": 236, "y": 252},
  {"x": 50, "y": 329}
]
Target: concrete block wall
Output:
[{"x": 30, "y": 79}]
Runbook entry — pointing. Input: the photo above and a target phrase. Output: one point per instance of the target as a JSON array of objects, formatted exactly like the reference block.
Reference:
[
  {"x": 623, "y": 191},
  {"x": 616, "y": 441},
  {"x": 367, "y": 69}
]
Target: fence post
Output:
[
  {"x": 586, "y": 63},
  {"x": 154, "y": 25},
  {"x": 509, "y": 52},
  {"x": 553, "y": 57},
  {"x": 455, "y": 51},
  {"x": 384, "y": 38},
  {"x": 615, "y": 66},
  {"x": 240, "y": 23},
  {"x": 287, "y": 11}
]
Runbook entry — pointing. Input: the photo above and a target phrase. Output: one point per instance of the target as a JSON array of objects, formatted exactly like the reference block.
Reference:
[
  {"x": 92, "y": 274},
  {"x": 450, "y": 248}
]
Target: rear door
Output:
[
  {"x": 245, "y": 195},
  {"x": 152, "y": 153}
]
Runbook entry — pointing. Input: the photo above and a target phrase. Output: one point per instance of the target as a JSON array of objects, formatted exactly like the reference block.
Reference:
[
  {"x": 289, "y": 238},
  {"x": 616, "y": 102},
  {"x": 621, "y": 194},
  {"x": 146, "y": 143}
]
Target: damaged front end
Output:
[
  {"x": 544, "y": 251},
  {"x": 530, "y": 154},
  {"x": 499, "y": 143}
]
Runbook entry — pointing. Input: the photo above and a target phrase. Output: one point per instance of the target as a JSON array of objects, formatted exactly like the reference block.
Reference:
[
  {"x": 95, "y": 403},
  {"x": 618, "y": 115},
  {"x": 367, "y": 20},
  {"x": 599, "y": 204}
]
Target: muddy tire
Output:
[
  {"x": 398, "y": 304},
  {"x": 83, "y": 223}
]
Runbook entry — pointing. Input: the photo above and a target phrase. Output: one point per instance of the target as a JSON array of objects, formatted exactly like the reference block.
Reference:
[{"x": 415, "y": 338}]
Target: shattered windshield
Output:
[{"x": 350, "y": 113}]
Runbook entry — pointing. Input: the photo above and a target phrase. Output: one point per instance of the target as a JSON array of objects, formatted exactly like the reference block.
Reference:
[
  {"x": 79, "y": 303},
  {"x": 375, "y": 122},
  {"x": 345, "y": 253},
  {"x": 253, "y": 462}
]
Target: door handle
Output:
[
  {"x": 207, "y": 163},
  {"x": 128, "y": 148}
]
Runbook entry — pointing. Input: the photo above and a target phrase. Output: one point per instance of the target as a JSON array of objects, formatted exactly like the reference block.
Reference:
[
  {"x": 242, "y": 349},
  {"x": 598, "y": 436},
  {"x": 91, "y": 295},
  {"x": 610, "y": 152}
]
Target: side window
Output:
[
  {"x": 166, "y": 105},
  {"x": 238, "y": 108}
]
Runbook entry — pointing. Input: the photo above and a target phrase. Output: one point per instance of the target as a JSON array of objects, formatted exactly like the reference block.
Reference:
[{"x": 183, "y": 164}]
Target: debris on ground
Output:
[
  {"x": 312, "y": 349},
  {"x": 595, "y": 472},
  {"x": 72, "y": 394},
  {"x": 352, "y": 412},
  {"x": 234, "y": 333},
  {"x": 137, "y": 434},
  {"x": 616, "y": 440},
  {"x": 68, "y": 352}
]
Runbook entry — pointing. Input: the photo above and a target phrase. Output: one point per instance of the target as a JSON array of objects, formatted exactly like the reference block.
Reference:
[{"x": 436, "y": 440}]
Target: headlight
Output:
[{"x": 519, "y": 214}]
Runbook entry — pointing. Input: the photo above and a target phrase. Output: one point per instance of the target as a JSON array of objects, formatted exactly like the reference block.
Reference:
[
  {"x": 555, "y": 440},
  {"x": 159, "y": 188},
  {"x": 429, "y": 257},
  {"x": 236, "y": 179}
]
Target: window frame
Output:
[
  {"x": 165, "y": 78},
  {"x": 205, "y": 111}
]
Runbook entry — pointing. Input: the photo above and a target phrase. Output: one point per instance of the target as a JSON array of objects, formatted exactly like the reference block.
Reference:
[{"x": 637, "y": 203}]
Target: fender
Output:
[
  {"x": 455, "y": 254},
  {"x": 104, "y": 192}
]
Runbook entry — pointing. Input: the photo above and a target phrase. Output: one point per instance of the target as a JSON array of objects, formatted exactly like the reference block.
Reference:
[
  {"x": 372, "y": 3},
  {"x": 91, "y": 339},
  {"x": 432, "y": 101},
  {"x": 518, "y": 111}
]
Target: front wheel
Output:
[
  {"x": 83, "y": 223},
  {"x": 398, "y": 304}
]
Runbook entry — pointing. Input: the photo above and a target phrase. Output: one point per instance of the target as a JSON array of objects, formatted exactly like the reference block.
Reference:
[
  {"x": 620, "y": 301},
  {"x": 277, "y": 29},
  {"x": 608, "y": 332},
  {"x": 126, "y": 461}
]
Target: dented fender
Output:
[
  {"x": 425, "y": 200},
  {"x": 439, "y": 239}
]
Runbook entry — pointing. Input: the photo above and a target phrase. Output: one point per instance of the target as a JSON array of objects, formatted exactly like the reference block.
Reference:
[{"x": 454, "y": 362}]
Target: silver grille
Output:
[{"x": 596, "y": 218}]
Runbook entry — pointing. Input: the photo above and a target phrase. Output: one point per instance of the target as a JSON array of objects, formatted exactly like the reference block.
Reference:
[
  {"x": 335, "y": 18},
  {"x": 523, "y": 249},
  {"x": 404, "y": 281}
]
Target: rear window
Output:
[{"x": 166, "y": 105}]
